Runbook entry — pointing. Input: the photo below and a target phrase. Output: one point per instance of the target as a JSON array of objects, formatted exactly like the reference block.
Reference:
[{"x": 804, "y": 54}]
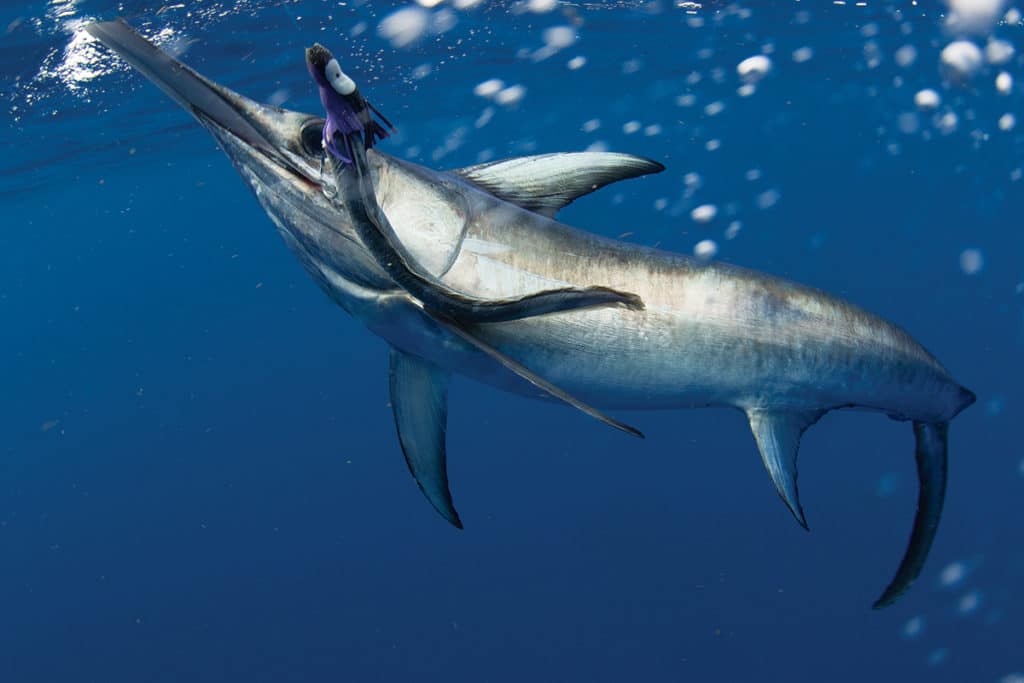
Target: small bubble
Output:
[
  {"x": 887, "y": 485},
  {"x": 278, "y": 97},
  {"x": 972, "y": 261},
  {"x": 947, "y": 123},
  {"x": 541, "y": 6},
  {"x": 489, "y": 88},
  {"x": 953, "y": 574},
  {"x": 753, "y": 69},
  {"x": 714, "y": 108},
  {"x": 1004, "y": 83},
  {"x": 705, "y": 250},
  {"x": 559, "y": 37},
  {"x": 969, "y": 603},
  {"x": 913, "y": 628},
  {"x": 631, "y": 66},
  {"x": 705, "y": 213},
  {"x": 485, "y": 117},
  {"x": 510, "y": 95},
  {"x": 998, "y": 52},
  {"x": 961, "y": 59},
  {"x": 905, "y": 56},
  {"x": 976, "y": 17},
  {"x": 908, "y": 123},
  {"x": 768, "y": 199},
  {"x": 803, "y": 54},
  {"x": 927, "y": 99},
  {"x": 404, "y": 26}
]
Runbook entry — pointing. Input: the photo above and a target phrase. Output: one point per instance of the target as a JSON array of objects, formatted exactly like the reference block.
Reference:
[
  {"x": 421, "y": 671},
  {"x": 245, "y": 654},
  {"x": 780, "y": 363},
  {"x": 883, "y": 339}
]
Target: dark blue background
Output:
[{"x": 199, "y": 477}]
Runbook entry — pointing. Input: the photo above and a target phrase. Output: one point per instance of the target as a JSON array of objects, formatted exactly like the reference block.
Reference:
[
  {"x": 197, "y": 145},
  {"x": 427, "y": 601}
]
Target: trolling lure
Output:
[
  {"x": 348, "y": 112},
  {"x": 349, "y": 130}
]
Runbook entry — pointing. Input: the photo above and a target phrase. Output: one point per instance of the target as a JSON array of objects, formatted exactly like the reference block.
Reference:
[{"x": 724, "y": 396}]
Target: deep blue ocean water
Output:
[{"x": 199, "y": 476}]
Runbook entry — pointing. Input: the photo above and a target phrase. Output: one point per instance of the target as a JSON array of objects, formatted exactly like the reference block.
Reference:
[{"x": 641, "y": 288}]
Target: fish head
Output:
[{"x": 278, "y": 152}]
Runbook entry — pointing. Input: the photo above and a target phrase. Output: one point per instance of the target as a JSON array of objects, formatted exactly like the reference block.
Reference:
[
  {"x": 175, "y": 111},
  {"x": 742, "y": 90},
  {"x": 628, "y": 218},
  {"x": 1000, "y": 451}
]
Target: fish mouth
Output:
[{"x": 276, "y": 135}]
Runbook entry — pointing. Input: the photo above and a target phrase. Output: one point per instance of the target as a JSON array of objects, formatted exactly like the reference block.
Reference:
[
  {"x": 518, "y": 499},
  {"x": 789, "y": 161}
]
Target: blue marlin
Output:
[{"x": 666, "y": 331}]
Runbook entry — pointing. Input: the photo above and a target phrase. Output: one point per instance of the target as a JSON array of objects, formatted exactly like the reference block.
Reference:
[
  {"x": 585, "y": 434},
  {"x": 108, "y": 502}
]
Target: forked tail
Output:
[{"x": 931, "y": 455}]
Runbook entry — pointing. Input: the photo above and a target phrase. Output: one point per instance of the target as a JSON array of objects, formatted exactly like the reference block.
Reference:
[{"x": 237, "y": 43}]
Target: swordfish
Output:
[{"x": 706, "y": 334}]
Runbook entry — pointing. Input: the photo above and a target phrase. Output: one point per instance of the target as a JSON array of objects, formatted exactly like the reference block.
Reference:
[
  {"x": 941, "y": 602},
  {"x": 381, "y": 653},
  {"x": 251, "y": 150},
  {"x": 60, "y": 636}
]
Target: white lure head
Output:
[{"x": 339, "y": 80}]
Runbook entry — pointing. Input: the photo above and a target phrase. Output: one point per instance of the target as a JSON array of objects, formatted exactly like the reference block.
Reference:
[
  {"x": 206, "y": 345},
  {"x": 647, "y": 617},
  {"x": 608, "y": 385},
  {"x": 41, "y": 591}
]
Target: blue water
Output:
[{"x": 199, "y": 476}]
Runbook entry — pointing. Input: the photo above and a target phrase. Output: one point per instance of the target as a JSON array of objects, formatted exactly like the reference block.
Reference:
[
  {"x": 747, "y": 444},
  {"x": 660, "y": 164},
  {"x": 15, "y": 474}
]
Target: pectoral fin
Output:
[
  {"x": 419, "y": 400},
  {"x": 778, "y": 438},
  {"x": 533, "y": 378},
  {"x": 381, "y": 240},
  {"x": 548, "y": 182}
]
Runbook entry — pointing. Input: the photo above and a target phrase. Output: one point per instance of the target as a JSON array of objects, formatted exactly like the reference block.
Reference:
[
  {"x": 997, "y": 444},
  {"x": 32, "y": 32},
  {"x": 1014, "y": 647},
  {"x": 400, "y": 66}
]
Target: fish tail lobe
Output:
[{"x": 931, "y": 454}]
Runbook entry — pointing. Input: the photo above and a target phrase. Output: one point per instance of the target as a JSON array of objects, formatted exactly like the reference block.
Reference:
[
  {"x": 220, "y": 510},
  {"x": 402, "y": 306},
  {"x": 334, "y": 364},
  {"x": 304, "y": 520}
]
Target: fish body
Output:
[{"x": 706, "y": 333}]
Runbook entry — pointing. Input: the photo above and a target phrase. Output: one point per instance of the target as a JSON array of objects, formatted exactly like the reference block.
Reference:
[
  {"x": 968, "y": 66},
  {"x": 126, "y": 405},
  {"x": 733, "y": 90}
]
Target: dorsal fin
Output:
[{"x": 547, "y": 182}]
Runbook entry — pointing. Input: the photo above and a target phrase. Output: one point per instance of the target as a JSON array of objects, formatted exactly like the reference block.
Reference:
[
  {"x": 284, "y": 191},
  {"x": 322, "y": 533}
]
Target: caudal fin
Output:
[{"x": 931, "y": 455}]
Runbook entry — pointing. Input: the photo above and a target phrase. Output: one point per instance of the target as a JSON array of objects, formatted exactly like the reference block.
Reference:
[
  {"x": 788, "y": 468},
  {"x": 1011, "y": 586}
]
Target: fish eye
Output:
[{"x": 312, "y": 135}]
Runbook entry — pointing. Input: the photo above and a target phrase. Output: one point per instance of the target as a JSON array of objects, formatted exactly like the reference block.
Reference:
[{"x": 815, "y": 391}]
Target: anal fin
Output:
[
  {"x": 419, "y": 401},
  {"x": 778, "y": 438}
]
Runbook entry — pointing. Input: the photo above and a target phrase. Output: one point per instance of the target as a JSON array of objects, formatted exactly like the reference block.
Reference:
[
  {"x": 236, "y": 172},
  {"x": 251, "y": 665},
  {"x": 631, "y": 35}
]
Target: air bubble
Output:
[{"x": 705, "y": 213}]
